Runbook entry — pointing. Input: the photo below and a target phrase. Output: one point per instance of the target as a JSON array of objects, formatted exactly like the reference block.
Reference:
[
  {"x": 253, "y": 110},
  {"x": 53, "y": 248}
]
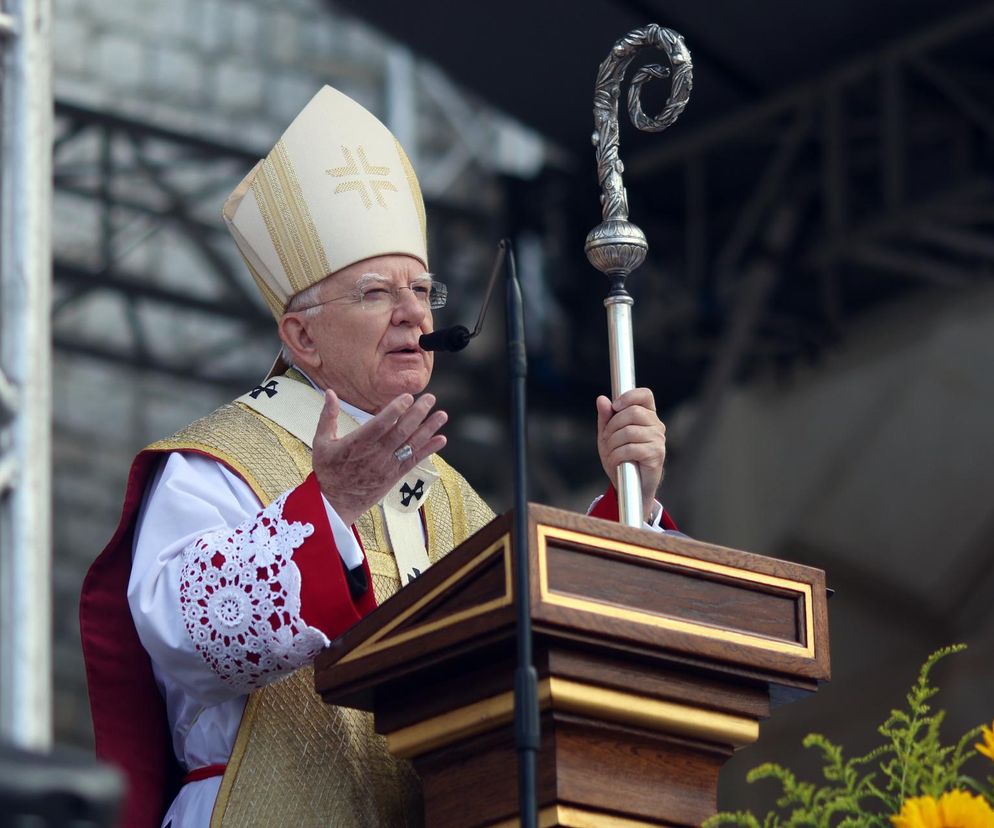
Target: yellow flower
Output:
[
  {"x": 954, "y": 809},
  {"x": 986, "y": 747}
]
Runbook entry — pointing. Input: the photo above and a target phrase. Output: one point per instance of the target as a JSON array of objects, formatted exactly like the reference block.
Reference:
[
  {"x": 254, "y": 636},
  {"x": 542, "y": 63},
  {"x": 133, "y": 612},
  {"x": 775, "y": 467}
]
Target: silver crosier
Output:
[{"x": 616, "y": 247}]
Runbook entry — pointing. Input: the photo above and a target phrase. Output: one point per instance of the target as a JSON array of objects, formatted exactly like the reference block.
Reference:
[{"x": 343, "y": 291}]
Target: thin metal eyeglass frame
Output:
[{"x": 437, "y": 296}]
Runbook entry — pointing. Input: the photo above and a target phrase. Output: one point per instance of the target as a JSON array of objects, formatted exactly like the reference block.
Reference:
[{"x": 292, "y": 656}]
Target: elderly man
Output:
[{"x": 253, "y": 537}]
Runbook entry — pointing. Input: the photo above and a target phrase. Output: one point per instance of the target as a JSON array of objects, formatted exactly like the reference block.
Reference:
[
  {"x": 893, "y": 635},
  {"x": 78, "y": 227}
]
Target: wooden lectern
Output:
[{"x": 657, "y": 657}]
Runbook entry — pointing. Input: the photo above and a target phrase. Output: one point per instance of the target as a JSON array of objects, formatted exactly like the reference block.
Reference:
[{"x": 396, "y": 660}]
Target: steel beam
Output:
[
  {"x": 764, "y": 195},
  {"x": 892, "y": 224},
  {"x": 748, "y": 119},
  {"x": 185, "y": 372},
  {"x": 25, "y": 362},
  {"x": 892, "y": 144},
  {"x": 960, "y": 242},
  {"x": 131, "y": 284},
  {"x": 974, "y": 109},
  {"x": 911, "y": 266}
]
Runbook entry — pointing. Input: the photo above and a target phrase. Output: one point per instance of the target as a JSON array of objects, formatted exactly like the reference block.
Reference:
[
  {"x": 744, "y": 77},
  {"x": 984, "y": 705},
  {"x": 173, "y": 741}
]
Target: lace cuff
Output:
[{"x": 240, "y": 599}]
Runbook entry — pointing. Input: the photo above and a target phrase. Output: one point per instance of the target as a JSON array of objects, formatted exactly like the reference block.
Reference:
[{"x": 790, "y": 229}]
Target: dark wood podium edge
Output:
[
  {"x": 723, "y": 657},
  {"x": 329, "y": 663},
  {"x": 653, "y": 716},
  {"x": 415, "y": 591},
  {"x": 792, "y": 672}
]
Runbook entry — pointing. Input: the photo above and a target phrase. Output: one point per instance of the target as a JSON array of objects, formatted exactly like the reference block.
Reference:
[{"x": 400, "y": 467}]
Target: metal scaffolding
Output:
[
  {"x": 135, "y": 186},
  {"x": 777, "y": 225},
  {"x": 819, "y": 203},
  {"x": 25, "y": 376}
]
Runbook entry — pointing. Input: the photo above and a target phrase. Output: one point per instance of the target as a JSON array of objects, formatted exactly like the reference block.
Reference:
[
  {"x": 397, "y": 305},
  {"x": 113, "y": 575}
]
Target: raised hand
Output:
[
  {"x": 357, "y": 470},
  {"x": 628, "y": 430}
]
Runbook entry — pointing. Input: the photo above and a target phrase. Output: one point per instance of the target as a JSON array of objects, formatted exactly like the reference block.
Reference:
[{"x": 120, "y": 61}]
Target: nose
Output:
[{"x": 409, "y": 309}]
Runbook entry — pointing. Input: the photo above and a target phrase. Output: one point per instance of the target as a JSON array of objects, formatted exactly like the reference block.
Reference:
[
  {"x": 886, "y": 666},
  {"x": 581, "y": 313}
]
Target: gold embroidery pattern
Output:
[
  {"x": 298, "y": 761},
  {"x": 359, "y": 185},
  {"x": 306, "y": 763},
  {"x": 225, "y": 434},
  {"x": 276, "y": 305},
  {"x": 382, "y": 563},
  {"x": 415, "y": 189},
  {"x": 297, "y": 451},
  {"x": 461, "y": 505},
  {"x": 288, "y": 220}
]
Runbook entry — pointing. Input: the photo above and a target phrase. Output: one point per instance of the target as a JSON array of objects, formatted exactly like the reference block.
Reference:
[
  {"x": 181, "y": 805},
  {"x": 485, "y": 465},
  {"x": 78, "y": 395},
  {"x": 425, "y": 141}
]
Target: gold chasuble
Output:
[{"x": 297, "y": 761}]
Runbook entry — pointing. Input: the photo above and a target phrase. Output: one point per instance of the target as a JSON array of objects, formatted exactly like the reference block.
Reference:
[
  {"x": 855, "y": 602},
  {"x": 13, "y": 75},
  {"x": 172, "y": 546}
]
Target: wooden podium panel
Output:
[{"x": 657, "y": 657}]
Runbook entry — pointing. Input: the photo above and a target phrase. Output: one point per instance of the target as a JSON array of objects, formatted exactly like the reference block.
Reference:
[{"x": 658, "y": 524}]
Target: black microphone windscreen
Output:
[{"x": 446, "y": 339}]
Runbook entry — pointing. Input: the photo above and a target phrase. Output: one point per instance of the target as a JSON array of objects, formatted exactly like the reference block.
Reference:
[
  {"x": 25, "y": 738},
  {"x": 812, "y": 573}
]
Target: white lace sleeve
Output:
[{"x": 240, "y": 598}]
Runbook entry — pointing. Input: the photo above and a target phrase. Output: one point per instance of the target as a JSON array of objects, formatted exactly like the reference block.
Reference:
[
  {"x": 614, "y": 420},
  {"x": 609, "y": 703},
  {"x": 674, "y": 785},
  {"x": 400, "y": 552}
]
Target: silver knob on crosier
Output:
[{"x": 616, "y": 247}]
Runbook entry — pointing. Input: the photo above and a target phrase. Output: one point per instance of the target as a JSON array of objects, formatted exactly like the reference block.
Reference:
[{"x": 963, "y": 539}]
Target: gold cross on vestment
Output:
[{"x": 359, "y": 185}]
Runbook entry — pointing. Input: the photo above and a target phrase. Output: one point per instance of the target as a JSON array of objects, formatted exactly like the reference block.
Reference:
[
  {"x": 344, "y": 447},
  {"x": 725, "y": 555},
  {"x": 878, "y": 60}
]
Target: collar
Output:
[{"x": 357, "y": 414}]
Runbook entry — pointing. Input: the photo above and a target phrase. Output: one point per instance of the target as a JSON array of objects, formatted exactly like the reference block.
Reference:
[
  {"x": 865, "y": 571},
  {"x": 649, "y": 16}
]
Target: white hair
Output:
[{"x": 306, "y": 302}]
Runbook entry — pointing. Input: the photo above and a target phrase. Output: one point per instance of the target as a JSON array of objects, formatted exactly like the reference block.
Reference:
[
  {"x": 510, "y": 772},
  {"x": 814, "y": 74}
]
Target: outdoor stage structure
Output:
[
  {"x": 790, "y": 216},
  {"x": 650, "y": 658}
]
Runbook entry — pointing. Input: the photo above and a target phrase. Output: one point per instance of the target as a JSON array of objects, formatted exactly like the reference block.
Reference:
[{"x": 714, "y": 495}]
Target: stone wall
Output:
[{"x": 230, "y": 69}]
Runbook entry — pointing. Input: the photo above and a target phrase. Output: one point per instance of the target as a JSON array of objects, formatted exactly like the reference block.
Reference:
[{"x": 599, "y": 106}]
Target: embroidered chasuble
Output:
[{"x": 298, "y": 761}]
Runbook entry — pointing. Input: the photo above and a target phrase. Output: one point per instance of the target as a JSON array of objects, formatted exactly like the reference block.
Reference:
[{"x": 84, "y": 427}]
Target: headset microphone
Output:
[
  {"x": 457, "y": 337},
  {"x": 446, "y": 339}
]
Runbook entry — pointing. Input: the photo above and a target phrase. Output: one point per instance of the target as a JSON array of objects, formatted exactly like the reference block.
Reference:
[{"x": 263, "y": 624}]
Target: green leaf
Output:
[{"x": 864, "y": 791}]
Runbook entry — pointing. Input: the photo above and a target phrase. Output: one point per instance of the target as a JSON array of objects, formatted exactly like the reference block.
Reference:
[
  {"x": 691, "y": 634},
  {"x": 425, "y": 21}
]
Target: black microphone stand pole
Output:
[{"x": 526, "y": 724}]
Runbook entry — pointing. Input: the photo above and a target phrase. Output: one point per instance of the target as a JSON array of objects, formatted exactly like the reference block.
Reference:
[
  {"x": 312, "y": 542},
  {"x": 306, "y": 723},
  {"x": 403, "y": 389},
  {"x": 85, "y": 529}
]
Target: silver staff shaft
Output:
[{"x": 628, "y": 479}]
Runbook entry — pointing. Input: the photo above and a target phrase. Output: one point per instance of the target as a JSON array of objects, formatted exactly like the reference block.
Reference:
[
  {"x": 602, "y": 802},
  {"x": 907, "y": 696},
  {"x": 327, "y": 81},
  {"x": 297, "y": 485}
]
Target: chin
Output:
[{"x": 406, "y": 384}]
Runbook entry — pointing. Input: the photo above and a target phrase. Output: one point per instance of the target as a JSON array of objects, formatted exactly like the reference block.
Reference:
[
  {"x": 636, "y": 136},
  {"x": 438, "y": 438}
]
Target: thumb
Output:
[
  {"x": 604, "y": 413},
  {"x": 328, "y": 421}
]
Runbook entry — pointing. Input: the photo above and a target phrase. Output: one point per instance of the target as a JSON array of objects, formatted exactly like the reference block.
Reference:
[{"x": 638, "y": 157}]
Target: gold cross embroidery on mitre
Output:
[{"x": 359, "y": 185}]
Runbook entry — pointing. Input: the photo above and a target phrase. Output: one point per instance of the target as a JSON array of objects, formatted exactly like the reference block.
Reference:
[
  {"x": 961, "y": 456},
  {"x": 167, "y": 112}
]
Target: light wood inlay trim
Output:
[
  {"x": 455, "y": 725},
  {"x": 654, "y": 714},
  {"x": 570, "y": 817},
  {"x": 583, "y": 699},
  {"x": 803, "y": 590}
]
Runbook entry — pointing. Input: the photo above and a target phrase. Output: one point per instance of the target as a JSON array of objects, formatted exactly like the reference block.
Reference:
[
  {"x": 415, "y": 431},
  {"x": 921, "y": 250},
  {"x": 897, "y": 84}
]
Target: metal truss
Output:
[
  {"x": 814, "y": 205},
  {"x": 144, "y": 197},
  {"x": 135, "y": 184},
  {"x": 769, "y": 230}
]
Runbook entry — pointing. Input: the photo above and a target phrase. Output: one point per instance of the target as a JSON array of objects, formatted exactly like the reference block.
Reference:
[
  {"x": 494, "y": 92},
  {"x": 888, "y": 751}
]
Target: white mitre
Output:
[{"x": 336, "y": 189}]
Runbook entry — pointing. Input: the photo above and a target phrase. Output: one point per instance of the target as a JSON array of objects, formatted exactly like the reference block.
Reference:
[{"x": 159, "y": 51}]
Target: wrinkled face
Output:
[{"x": 367, "y": 355}]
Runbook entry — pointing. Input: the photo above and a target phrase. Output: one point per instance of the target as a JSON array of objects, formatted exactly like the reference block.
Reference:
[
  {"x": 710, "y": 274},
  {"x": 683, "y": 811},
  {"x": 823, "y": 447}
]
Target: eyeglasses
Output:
[{"x": 378, "y": 293}]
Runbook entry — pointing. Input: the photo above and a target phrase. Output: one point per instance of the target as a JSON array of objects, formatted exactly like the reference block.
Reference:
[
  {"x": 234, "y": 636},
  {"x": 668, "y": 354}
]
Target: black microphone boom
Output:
[
  {"x": 457, "y": 337},
  {"x": 446, "y": 339}
]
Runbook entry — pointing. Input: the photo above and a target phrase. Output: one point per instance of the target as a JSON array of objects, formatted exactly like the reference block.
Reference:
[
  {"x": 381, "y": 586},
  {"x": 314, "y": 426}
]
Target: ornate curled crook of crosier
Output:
[
  {"x": 616, "y": 246},
  {"x": 607, "y": 91}
]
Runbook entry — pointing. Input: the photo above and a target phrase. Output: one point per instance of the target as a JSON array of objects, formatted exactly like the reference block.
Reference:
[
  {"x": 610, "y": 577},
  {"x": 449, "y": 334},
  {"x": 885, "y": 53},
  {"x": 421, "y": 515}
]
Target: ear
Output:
[{"x": 295, "y": 333}]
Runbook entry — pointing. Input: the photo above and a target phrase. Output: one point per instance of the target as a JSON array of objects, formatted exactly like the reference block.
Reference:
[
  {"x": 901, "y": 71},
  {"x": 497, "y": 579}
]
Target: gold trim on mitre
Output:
[{"x": 336, "y": 189}]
